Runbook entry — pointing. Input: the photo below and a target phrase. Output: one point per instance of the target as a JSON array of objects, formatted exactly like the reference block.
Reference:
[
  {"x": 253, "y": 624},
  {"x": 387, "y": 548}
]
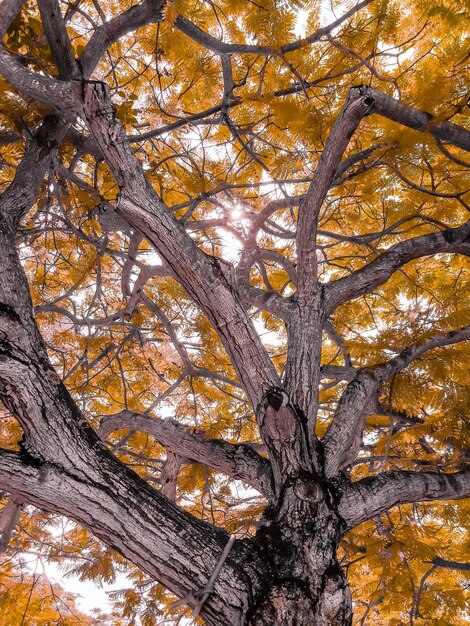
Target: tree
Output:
[{"x": 267, "y": 235}]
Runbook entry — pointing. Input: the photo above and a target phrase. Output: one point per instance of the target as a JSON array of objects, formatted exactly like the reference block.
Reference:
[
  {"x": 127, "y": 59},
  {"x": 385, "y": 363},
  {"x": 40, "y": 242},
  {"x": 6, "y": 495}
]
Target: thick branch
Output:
[
  {"x": 8, "y": 519},
  {"x": 212, "y": 43},
  {"x": 265, "y": 301},
  {"x": 408, "y": 116},
  {"x": 8, "y": 11},
  {"x": 201, "y": 276},
  {"x": 380, "y": 269},
  {"x": 169, "y": 474},
  {"x": 338, "y": 372},
  {"x": 457, "y": 566},
  {"x": 143, "y": 525},
  {"x": 22, "y": 193},
  {"x": 58, "y": 39},
  {"x": 49, "y": 91},
  {"x": 236, "y": 460},
  {"x": 344, "y": 435},
  {"x": 357, "y": 105},
  {"x": 105, "y": 35},
  {"x": 373, "y": 495}
]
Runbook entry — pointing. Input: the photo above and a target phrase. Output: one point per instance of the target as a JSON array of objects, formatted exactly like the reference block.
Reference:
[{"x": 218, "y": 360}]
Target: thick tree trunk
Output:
[
  {"x": 290, "y": 604},
  {"x": 299, "y": 538}
]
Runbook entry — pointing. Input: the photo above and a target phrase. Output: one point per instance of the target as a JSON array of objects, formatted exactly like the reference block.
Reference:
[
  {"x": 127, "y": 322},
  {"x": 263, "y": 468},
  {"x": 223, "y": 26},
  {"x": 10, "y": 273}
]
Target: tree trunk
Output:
[{"x": 299, "y": 539}]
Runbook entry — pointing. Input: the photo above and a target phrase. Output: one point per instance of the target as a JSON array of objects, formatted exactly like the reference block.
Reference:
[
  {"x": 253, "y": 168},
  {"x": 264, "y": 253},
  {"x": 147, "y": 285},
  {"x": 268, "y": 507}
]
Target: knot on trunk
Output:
[
  {"x": 277, "y": 398},
  {"x": 362, "y": 98},
  {"x": 277, "y": 417},
  {"x": 282, "y": 430},
  {"x": 308, "y": 491}
]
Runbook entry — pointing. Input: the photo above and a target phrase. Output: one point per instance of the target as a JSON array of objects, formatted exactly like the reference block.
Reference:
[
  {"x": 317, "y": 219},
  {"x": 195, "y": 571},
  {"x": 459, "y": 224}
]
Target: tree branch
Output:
[
  {"x": 436, "y": 563},
  {"x": 58, "y": 39},
  {"x": 344, "y": 435},
  {"x": 202, "y": 276},
  {"x": 220, "y": 47},
  {"x": 22, "y": 192},
  {"x": 9, "y": 519},
  {"x": 8, "y": 11},
  {"x": 239, "y": 461},
  {"x": 357, "y": 105},
  {"x": 414, "y": 352},
  {"x": 141, "y": 524},
  {"x": 169, "y": 474},
  {"x": 385, "y": 105},
  {"x": 380, "y": 269},
  {"x": 65, "y": 468},
  {"x": 456, "y": 566},
  {"x": 60, "y": 94},
  {"x": 104, "y": 36},
  {"x": 343, "y": 438},
  {"x": 372, "y": 496},
  {"x": 50, "y": 91}
]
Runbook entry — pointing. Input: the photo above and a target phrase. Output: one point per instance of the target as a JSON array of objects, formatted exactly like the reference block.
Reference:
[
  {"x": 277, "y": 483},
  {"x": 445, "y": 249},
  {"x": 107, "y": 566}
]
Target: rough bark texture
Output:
[
  {"x": 288, "y": 574},
  {"x": 239, "y": 461}
]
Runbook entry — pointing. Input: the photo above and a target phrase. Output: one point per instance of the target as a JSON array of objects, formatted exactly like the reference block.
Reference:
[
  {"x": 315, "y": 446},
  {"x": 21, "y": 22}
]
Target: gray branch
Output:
[
  {"x": 58, "y": 39},
  {"x": 406, "y": 115},
  {"x": 8, "y": 11},
  {"x": 378, "y": 271},
  {"x": 239, "y": 461},
  {"x": 372, "y": 496},
  {"x": 8, "y": 519},
  {"x": 343, "y": 438}
]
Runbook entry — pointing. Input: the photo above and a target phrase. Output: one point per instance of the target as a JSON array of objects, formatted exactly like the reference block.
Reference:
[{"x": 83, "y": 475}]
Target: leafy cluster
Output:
[{"x": 226, "y": 133}]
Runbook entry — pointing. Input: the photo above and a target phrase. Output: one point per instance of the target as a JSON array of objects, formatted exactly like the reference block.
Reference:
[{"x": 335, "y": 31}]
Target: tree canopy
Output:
[{"x": 234, "y": 300}]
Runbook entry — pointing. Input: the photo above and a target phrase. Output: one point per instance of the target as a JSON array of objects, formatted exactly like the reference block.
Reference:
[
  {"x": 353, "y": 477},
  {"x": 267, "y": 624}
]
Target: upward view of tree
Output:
[{"x": 234, "y": 309}]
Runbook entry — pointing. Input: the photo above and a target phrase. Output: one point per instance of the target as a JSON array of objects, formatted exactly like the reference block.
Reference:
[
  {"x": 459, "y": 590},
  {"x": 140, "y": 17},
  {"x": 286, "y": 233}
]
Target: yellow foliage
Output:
[{"x": 259, "y": 142}]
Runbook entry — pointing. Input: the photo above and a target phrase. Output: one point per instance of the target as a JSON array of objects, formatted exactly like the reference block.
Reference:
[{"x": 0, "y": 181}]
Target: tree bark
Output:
[
  {"x": 288, "y": 573},
  {"x": 300, "y": 536}
]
